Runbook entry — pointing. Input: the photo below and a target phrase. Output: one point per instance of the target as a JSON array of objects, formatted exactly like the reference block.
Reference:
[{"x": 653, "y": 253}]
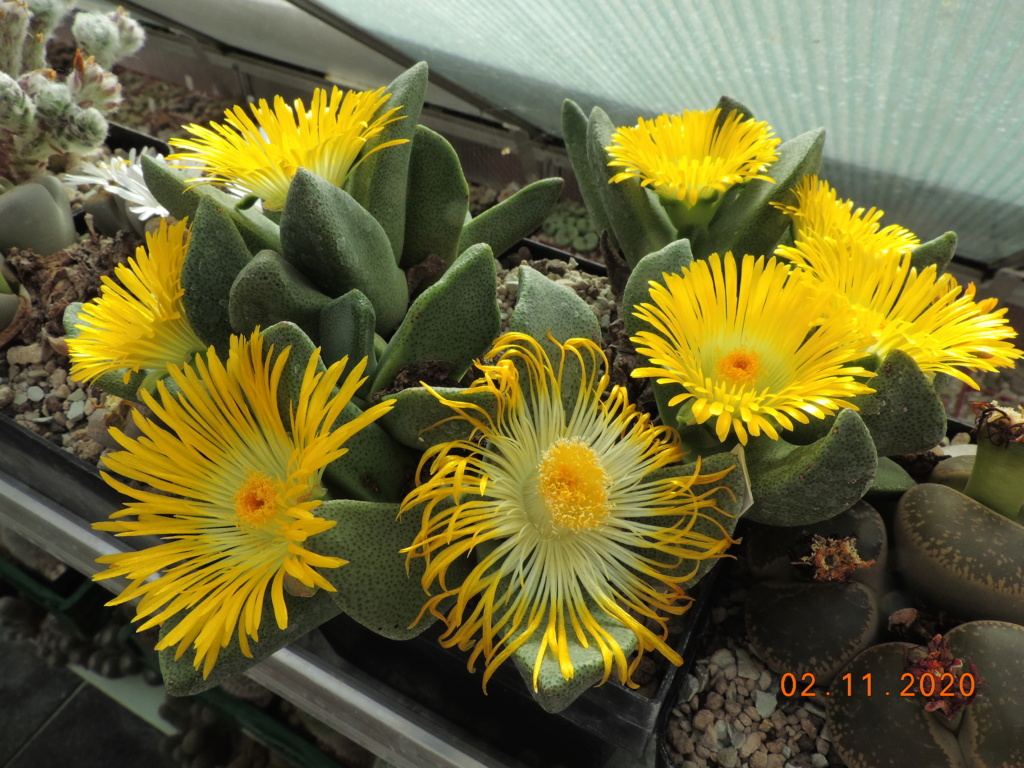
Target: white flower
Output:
[{"x": 122, "y": 176}]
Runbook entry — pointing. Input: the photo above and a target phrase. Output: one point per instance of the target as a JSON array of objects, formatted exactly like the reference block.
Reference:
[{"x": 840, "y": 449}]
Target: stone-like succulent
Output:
[
  {"x": 957, "y": 553},
  {"x": 952, "y": 704},
  {"x": 41, "y": 114}
]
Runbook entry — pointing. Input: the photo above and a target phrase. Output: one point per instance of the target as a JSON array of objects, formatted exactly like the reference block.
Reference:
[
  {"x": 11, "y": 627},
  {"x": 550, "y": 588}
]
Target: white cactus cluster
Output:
[{"x": 42, "y": 113}]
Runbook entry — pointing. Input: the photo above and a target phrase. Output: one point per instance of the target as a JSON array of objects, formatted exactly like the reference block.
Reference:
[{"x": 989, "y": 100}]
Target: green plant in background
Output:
[
  {"x": 569, "y": 226},
  {"x": 40, "y": 114}
]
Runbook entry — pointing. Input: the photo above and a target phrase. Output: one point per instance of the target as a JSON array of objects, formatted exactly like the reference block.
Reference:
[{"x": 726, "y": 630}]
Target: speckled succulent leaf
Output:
[
  {"x": 747, "y": 222},
  {"x": 376, "y": 468},
  {"x": 437, "y": 201},
  {"x": 879, "y": 731},
  {"x": 890, "y": 479},
  {"x": 799, "y": 485},
  {"x": 728, "y": 105},
  {"x": 651, "y": 268},
  {"x": 544, "y": 307},
  {"x": 638, "y": 221},
  {"x": 992, "y": 725},
  {"x": 939, "y": 252},
  {"x": 452, "y": 322},
  {"x": 415, "y": 420},
  {"x": 216, "y": 254},
  {"x": 958, "y": 555},
  {"x": 379, "y": 182},
  {"x": 375, "y": 587},
  {"x": 269, "y": 290},
  {"x": 112, "y": 382},
  {"x": 574, "y": 132},
  {"x": 903, "y": 414},
  {"x": 170, "y": 188},
  {"x": 304, "y": 614},
  {"x": 346, "y": 330},
  {"x": 811, "y": 627},
  {"x": 731, "y": 500},
  {"x": 337, "y": 244},
  {"x": 508, "y": 222},
  {"x": 554, "y": 693},
  {"x": 282, "y": 336}
]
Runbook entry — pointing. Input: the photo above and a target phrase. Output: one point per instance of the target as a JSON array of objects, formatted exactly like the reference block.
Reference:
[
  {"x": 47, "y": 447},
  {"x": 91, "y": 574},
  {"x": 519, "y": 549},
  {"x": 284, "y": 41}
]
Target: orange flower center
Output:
[
  {"x": 256, "y": 500},
  {"x": 741, "y": 366},
  {"x": 573, "y": 485}
]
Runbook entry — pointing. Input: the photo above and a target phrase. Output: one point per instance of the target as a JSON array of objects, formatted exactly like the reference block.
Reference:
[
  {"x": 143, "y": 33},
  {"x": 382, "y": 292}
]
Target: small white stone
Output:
[{"x": 765, "y": 704}]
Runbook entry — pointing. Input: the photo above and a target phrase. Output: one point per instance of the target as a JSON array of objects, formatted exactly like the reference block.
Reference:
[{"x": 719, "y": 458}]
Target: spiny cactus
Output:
[{"x": 40, "y": 114}]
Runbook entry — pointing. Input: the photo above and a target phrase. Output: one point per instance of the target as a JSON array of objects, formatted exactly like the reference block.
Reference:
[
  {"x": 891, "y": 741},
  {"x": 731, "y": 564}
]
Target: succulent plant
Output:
[
  {"x": 893, "y": 705},
  {"x": 716, "y": 186},
  {"x": 816, "y": 603},
  {"x": 40, "y": 114}
]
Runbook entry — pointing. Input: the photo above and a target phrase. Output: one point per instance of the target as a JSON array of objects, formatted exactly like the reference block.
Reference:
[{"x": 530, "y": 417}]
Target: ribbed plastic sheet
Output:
[{"x": 923, "y": 99}]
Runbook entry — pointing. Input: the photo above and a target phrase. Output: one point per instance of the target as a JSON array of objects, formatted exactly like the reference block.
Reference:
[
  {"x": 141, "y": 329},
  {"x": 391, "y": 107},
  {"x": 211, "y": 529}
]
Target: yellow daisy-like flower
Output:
[
  {"x": 326, "y": 140},
  {"x": 820, "y": 213},
  {"x": 691, "y": 157},
  {"x": 931, "y": 317},
  {"x": 139, "y": 324},
  {"x": 242, "y": 489},
  {"x": 746, "y": 343},
  {"x": 556, "y": 507}
]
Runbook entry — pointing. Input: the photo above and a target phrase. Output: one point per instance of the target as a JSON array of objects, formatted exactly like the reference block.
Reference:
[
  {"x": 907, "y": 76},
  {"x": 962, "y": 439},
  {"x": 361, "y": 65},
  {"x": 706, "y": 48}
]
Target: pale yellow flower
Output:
[{"x": 557, "y": 510}]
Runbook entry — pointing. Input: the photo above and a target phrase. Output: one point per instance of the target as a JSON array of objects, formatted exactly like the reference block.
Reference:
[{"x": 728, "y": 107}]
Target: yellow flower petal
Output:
[
  {"x": 745, "y": 343},
  {"x": 242, "y": 490},
  {"x": 681, "y": 157},
  {"x": 820, "y": 213},
  {"x": 931, "y": 317},
  {"x": 559, "y": 514},
  {"x": 139, "y": 324},
  {"x": 261, "y": 154}
]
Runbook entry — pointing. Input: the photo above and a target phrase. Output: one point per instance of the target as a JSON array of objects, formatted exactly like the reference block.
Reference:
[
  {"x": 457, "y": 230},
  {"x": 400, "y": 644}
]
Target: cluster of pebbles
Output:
[{"x": 36, "y": 392}]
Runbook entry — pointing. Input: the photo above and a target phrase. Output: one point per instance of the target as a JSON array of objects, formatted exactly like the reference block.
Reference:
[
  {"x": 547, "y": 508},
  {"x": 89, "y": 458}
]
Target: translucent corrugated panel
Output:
[{"x": 923, "y": 99}]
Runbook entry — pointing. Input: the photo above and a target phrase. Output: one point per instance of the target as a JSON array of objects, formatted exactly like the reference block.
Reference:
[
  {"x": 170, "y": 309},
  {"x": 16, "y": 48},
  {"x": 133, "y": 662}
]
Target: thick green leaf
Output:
[
  {"x": 269, "y": 290},
  {"x": 438, "y": 200},
  {"x": 170, "y": 188},
  {"x": 451, "y": 323},
  {"x": 508, "y": 222},
  {"x": 216, "y": 254},
  {"x": 938, "y": 252},
  {"x": 346, "y": 330},
  {"x": 747, "y": 222},
  {"x": 416, "y": 418},
  {"x": 651, "y": 268},
  {"x": 801, "y": 485},
  {"x": 574, "y": 132},
  {"x": 379, "y": 182},
  {"x": 339, "y": 246},
  {"x": 378, "y": 586}
]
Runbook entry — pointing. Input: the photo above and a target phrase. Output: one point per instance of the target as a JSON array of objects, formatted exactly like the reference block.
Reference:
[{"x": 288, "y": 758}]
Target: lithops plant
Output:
[
  {"x": 816, "y": 603},
  {"x": 952, "y": 704},
  {"x": 955, "y": 552}
]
